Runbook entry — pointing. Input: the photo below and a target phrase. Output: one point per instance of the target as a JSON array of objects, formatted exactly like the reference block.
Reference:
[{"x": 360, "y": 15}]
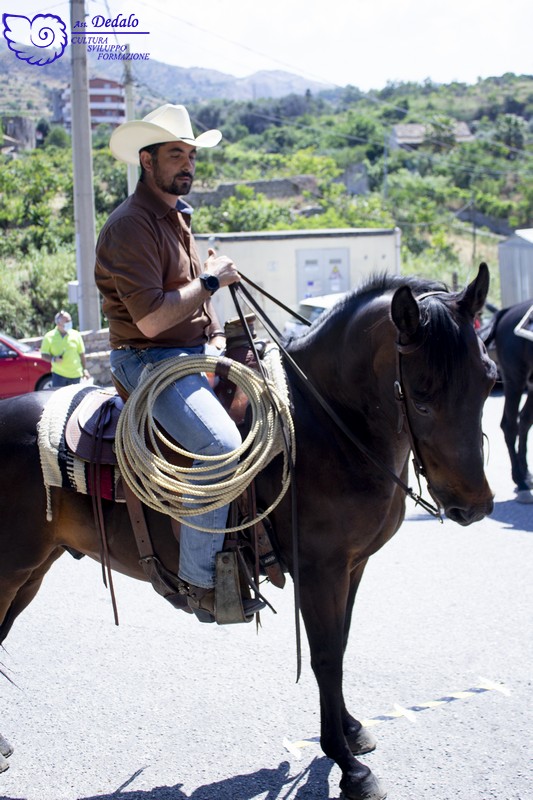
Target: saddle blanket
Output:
[{"x": 59, "y": 465}]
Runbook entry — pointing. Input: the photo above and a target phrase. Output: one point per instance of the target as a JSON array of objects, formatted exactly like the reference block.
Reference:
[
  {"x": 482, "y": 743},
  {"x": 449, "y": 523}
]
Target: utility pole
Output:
[
  {"x": 385, "y": 164},
  {"x": 473, "y": 202},
  {"x": 84, "y": 220},
  {"x": 133, "y": 170}
]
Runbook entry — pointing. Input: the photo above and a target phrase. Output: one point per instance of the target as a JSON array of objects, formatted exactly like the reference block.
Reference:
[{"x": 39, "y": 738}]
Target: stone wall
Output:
[{"x": 274, "y": 189}]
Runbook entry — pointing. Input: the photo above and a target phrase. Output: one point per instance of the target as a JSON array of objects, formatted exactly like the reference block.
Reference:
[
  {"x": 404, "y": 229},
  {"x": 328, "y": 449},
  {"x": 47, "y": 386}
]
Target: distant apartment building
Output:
[{"x": 107, "y": 103}]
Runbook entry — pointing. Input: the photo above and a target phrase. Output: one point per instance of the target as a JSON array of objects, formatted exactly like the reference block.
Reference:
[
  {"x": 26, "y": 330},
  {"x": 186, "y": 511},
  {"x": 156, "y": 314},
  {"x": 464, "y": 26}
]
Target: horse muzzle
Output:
[{"x": 466, "y": 515}]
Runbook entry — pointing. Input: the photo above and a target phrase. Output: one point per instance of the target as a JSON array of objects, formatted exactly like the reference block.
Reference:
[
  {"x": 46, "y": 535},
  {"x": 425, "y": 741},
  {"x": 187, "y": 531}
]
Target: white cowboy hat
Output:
[{"x": 167, "y": 123}]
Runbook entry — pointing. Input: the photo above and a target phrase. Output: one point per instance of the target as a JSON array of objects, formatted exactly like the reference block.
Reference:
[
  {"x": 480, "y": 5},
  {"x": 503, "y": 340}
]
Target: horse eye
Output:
[{"x": 421, "y": 408}]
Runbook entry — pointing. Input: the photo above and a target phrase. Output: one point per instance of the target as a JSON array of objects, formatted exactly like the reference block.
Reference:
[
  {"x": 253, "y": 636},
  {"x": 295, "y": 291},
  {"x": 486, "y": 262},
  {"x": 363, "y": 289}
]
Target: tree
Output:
[
  {"x": 440, "y": 134},
  {"x": 58, "y": 137},
  {"x": 511, "y": 131}
]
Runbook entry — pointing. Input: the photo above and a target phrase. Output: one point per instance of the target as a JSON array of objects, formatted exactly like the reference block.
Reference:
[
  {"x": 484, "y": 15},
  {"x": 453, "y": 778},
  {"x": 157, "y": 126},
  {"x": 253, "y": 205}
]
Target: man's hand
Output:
[
  {"x": 222, "y": 267},
  {"x": 179, "y": 304}
]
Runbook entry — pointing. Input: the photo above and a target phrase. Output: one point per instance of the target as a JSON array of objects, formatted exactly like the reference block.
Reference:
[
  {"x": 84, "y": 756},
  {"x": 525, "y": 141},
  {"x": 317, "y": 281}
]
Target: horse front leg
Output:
[
  {"x": 324, "y": 599},
  {"x": 359, "y": 739}
]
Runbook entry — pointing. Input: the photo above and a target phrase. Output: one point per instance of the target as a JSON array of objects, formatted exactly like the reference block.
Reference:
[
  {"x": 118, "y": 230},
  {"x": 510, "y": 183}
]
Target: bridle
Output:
[
  {"x": 404, "y": 424},
  {"x": 401, "y": 350}
]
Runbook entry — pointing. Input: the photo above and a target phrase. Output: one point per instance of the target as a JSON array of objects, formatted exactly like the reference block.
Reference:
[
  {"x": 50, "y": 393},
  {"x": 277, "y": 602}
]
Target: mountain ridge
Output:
[{"x": 27, "y": 89}]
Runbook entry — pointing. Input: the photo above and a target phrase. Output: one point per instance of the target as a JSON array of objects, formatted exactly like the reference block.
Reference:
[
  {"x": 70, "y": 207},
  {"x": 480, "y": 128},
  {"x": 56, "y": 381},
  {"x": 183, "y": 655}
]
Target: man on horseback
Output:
[{"x": 157, "y": 299}]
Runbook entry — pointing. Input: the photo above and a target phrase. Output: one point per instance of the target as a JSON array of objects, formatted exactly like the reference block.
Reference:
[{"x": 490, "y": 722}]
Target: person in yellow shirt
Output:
[{"x": 64, "y": 348}]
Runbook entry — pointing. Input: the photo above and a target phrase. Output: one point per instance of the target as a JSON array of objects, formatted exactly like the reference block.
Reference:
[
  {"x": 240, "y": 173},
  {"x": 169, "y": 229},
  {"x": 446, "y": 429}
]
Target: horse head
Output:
[{"x": 444, "y": 377}]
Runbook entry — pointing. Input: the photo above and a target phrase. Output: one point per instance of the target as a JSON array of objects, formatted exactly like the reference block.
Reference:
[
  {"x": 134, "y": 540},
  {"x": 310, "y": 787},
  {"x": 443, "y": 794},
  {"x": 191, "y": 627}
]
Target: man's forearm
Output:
[{"x": 176, "y": 307}]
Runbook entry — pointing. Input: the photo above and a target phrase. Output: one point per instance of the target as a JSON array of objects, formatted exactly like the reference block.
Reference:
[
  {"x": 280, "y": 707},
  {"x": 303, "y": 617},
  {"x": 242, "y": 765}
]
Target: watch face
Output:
[{"x": 211, "y": 282}]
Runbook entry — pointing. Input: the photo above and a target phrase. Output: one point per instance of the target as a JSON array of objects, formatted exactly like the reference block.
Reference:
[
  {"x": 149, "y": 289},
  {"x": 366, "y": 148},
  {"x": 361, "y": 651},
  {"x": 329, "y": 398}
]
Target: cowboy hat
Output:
[{"x": 167, "y": 123}]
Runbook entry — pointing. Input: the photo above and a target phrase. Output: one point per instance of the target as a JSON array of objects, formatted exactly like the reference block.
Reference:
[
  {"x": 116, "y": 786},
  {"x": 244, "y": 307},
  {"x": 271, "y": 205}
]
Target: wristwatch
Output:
[{"x": 210, "y": 282}]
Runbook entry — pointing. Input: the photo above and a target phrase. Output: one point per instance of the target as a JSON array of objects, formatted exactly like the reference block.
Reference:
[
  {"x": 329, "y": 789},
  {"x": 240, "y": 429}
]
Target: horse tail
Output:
[{"x": 488, "y": 332}]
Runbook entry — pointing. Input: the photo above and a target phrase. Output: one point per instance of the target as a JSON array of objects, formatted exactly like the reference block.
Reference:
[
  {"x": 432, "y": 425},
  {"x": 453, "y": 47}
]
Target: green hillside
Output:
[{"x": 453, "y": 199}]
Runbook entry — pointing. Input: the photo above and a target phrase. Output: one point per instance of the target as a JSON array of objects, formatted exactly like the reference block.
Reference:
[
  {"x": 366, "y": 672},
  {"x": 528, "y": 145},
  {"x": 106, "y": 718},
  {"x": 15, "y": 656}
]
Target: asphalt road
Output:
[{"x": 163, "y": 708}]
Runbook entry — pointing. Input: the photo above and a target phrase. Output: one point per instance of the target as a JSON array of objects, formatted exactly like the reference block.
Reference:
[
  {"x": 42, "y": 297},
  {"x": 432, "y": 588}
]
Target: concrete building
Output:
[
  {"x": 293, "y": 265},
  {"x": 107, "y": 103},
  {"x": 515, "y": 257}
]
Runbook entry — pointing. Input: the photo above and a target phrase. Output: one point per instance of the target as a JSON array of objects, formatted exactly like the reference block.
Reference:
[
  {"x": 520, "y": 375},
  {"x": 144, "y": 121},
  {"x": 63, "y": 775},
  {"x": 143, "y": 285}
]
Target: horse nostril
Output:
[{"x": 466, "y": 516}]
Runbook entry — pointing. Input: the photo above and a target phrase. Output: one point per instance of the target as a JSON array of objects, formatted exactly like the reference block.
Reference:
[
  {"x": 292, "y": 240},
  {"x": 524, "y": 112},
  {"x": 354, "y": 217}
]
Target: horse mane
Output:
[
  {"x": 443, "y": 347},
  {"x": 375, "y": 286},
  {"x": 385, "y": 282}
]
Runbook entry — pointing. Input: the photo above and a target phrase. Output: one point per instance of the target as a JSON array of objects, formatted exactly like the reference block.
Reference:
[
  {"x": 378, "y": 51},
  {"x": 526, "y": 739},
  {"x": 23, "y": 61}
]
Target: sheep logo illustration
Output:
[{"x": 39, "y": 41}]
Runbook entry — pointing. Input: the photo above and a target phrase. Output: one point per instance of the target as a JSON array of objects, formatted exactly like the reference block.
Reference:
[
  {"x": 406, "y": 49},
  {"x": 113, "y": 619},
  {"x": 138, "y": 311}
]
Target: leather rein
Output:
[
  {"x": 399, "y": 394},
  {"x": 403, "y": 423}
]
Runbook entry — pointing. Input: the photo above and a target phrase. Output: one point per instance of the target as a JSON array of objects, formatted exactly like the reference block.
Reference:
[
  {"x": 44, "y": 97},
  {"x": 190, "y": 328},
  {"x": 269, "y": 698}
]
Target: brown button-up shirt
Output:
[{"x": 144, "y": 250}]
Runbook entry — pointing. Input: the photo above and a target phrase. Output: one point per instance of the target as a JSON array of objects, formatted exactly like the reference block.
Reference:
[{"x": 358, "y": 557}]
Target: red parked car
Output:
[{"x": 21, "y": 368}]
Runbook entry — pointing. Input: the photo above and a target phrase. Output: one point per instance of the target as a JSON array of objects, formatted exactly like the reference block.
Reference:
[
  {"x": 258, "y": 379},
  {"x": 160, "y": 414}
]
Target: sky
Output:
[{"x": 366, "y": 43}]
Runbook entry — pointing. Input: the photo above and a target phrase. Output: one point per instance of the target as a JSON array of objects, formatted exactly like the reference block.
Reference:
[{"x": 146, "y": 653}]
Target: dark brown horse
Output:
[
  {"x": 400, "y": 365},
  {"x": 515, "y": 361}
]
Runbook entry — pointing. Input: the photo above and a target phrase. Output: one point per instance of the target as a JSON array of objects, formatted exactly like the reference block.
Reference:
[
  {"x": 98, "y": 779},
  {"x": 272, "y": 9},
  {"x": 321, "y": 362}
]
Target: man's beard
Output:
[{"x": 179, "y": 185}]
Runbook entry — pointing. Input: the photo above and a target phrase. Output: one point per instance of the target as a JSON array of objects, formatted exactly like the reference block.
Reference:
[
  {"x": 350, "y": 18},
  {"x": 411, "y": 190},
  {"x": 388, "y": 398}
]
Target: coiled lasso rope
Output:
[{"x": 181, "y": 491}]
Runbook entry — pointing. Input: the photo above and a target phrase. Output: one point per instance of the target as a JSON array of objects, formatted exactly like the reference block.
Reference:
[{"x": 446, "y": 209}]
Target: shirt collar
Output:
[{"x": 149, "y": 199}]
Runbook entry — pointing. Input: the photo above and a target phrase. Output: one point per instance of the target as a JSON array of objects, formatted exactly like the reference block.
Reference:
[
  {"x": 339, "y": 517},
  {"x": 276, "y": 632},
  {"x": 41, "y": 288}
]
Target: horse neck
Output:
[{"x": 350, "y": 360}]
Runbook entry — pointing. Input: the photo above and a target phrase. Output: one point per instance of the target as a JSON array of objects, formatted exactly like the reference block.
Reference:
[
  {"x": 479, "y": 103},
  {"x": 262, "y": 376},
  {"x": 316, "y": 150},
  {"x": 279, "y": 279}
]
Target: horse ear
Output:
[
  {"x": 404, "y": 312},
  {"x": 473, "y": 297}
]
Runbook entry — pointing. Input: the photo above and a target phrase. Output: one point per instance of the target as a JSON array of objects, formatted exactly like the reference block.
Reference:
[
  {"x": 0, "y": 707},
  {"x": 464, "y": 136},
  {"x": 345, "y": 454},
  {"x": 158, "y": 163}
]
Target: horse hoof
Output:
[
  {"x": 5, "y": 748},
  {"x": 369, "y": 788},
  {"x": 361, "y": 742},
  {"x": 524, "y": 496}
]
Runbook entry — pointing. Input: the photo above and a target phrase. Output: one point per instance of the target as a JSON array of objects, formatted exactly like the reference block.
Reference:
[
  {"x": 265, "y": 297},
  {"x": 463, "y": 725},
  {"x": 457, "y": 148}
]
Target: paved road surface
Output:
[{"x": 163, "y": 708}]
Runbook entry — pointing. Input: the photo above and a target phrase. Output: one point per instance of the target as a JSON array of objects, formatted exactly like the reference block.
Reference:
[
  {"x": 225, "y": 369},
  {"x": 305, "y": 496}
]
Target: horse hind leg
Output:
[
  {"x": 18, "y": 590},
  {"x": 509, "y": 426},
  {"x": 524, "y": 424},
  {"x": 5, "y": 751}
]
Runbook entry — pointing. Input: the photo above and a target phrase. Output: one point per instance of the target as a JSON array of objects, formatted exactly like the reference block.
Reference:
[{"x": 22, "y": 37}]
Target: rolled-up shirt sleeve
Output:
[{"x": 132, "y": 260}]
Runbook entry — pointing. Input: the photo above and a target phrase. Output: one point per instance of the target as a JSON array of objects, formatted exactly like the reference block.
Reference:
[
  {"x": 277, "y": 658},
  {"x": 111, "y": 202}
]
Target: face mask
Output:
[{"x": 68, "y": 326}]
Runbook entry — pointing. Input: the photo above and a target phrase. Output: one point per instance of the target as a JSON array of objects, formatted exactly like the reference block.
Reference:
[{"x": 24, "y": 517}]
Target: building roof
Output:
[
  {"x": 414, "y": 133},
  {"x": 523, "y": 237},
  {"x": 525, "y": 233}
]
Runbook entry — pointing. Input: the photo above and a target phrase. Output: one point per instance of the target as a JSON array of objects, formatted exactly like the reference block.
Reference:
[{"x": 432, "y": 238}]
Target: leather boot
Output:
[{"x": 202, "y": 603}]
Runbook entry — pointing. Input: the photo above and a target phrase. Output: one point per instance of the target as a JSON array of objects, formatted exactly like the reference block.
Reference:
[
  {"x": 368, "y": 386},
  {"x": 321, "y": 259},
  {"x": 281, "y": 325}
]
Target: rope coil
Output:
[{"x": 186, "y": 491}]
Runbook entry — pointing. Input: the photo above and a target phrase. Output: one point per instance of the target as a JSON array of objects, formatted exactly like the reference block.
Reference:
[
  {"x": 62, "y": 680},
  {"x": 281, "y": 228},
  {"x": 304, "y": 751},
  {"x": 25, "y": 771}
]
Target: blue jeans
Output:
[{"x": 191, "y": 413}]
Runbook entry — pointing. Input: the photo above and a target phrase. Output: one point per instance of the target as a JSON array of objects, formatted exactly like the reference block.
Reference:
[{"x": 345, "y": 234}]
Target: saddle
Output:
[
  {"x": 90, "y": 430},
  {"x": 90, "y": 435}
]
